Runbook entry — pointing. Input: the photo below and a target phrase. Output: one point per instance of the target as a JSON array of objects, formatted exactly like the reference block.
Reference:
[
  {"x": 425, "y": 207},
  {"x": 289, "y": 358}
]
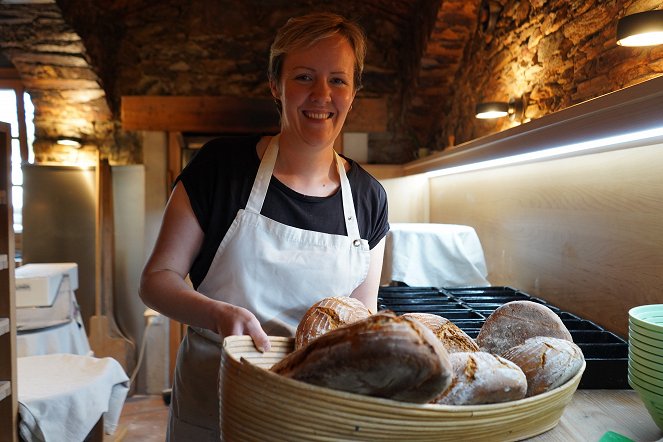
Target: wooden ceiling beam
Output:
[{"x": 231, "y": 114}]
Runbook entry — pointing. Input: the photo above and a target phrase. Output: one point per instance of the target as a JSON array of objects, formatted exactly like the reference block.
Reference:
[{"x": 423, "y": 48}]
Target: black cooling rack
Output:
[{"x": 606, "y": 353}]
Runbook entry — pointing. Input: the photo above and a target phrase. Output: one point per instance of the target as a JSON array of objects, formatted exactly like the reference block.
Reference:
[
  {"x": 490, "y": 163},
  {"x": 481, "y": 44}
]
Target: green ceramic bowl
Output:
[
  {"x": 653, "y": 376},
  {"x": 643, "y": 351},
  {"x": 648, "y": 316},
  {"x": 635, "y": 328},
  {"x": 635, "y": 376},
  {"x": 656, "y": 345},
  {"x": 653, "y": 402},
  {"x": 644, "y": 362}
]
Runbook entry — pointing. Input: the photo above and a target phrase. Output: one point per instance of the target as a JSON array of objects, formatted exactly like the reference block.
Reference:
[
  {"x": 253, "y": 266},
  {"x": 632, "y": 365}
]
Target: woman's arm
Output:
[
  {"x": 367, "y": 292},
  {"x": 163, "y": 286}
]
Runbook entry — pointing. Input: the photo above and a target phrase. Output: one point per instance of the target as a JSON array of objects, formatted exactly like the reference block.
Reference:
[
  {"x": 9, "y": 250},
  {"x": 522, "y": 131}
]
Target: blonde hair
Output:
[{"x": 302, "y": 32}]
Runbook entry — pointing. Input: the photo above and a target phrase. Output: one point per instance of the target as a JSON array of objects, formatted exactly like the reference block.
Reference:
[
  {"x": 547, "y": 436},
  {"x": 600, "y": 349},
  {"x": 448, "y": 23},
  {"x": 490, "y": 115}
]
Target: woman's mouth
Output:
[{"x": 318, "y": 115}]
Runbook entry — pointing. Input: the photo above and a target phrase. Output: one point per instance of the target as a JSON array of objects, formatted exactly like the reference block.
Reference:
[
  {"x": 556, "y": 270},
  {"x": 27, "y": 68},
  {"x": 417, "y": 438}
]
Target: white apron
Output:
[{"x": 275, "y": 271}]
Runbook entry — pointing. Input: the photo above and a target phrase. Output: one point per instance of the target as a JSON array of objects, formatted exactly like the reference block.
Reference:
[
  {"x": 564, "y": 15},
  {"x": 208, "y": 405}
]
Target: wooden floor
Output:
[{"x": 143, "y": 419}]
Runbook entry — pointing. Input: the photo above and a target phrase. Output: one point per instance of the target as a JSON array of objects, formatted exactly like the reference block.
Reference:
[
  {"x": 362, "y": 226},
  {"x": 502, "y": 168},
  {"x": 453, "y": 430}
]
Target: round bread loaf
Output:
[
  {"x": 326, "y": 315},
  {"x": 514, "y": 322},
  {"x": 453, "y": 338},
  {"x": 483, "y": 378},
  {"x": 547, "y": 362},
  {"x": 383, "y": 355}
]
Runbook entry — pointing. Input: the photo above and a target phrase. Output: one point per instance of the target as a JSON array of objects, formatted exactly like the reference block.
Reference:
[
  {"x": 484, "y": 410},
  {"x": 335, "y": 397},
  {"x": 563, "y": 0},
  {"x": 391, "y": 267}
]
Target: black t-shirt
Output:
[{"x": 218, "y": 181}]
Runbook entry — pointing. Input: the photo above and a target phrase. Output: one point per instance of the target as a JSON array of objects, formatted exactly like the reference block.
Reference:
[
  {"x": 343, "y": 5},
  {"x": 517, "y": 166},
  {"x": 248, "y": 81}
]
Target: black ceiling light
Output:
[{"x": 640, "y": 29}]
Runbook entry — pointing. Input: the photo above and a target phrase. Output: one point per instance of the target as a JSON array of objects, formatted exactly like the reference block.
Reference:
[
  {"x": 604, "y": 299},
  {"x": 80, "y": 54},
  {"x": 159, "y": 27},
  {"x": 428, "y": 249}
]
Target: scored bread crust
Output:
[
  {"x": 483, "y": 378},
  {"x": 547, "y": 362},
  {"x": 326, "y": 315},
  {"x": 452, "y": 337},
  {"x": 513, "y": 323},
  {"x": 383, "y": 356}
]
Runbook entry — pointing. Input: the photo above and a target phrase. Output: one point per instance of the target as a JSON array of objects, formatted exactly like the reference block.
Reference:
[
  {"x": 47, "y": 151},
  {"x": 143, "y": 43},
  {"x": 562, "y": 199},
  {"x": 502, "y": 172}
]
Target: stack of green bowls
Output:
[{"x": 645, "y": 357}]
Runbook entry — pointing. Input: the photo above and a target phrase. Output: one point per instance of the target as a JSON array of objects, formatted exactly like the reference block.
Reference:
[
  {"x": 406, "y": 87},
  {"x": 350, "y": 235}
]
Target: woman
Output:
[{"x": 267, "y": 226}]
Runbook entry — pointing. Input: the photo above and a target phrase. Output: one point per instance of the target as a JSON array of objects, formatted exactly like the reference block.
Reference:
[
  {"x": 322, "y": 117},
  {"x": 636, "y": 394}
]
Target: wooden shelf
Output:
[
  {"x": 8, "y": 384},
  {"x": 5, "y": 389}
]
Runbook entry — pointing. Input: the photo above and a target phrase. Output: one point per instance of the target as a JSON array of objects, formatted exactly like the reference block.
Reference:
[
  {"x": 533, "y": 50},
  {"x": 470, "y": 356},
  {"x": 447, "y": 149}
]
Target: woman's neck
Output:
[{"x": 306, "y": 169}]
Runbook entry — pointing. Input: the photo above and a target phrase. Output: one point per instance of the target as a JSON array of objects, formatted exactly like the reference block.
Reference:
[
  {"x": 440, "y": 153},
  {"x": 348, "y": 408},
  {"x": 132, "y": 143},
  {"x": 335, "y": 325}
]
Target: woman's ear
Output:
[{"x": 273, "y": 86}]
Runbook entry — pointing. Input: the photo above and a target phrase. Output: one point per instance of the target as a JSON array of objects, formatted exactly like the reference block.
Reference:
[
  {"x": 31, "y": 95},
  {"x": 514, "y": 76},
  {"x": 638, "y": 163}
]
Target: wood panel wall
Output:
[{"x": 584, "y": 233}]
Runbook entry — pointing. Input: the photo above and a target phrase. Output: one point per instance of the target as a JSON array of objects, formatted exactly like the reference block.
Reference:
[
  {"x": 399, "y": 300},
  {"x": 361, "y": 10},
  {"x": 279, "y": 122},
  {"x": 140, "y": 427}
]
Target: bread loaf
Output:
[
  {"x": 383, "y": 356},
  {"x": 483, "y": 378},
  {"x": 453, "y": 338},
  {"x": 547, "y": 362},
  {"x": 514, "y": 322},
  {"x": 328, "y": 314}
]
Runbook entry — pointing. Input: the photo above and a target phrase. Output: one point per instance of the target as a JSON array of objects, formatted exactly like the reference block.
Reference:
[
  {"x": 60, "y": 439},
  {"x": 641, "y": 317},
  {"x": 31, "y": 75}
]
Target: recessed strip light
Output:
[{"x": 552, "y": 152}]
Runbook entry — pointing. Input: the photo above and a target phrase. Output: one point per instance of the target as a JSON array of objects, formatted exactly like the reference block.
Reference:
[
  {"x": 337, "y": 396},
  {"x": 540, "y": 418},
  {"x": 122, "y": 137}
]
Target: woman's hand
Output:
[
  {"x": 163, "y": 286},
  {"x": 238, "y": 321}
]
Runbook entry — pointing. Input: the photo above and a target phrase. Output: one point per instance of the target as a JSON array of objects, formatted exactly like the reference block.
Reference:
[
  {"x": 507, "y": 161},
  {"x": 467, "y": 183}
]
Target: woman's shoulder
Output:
[
  {"x": 360, "y": 177},
  {"x": 220, "y": 157},
  {"x": 233, "y": 145}
]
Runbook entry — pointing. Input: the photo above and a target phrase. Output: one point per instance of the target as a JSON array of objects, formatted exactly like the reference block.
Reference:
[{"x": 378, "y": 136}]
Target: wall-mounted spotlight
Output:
[
  {"x": 641, "y": 29},
  {"x": 70, "y": 141},
  {"x": 497, "y": 109}
]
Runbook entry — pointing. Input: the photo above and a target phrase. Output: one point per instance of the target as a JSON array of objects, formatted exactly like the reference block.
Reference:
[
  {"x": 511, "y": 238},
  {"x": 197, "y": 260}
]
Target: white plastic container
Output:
[{"x": 37, "y": 285}]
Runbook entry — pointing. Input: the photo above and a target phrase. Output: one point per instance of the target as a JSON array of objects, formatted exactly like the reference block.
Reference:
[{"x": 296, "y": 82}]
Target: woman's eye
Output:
[
  {"x": 303, "y": 77},
  {"x": 339, "y": 81}
]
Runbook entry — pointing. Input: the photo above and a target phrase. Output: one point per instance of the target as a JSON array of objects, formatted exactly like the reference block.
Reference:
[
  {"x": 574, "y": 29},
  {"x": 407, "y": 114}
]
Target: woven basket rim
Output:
[{"x": 343, "y": 395}]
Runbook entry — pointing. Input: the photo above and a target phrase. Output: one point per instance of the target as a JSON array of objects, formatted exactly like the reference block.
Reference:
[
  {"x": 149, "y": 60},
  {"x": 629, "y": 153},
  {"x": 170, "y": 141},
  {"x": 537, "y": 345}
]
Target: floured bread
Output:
[
  {"x": 383, "y": 355},
  {"x": 514, "y": 322},
  {"x": 483, "y": 378},
  {"x": 453, "y": 338},
  {"x": 328, "y": 314},
  {"x": 547, "y": 362}
]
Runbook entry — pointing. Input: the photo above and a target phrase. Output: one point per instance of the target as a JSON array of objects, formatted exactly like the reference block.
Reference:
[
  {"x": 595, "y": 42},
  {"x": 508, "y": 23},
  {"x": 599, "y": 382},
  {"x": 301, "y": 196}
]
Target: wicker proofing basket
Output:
[{"x": 258, "y": 405}]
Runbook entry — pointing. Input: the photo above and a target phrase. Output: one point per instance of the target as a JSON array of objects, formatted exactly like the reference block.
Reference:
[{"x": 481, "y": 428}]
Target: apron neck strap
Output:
[
  {"x": 264, "y": 176},
  {"x": 265, "y": 171},
  {"x": 351, "y": 225}
]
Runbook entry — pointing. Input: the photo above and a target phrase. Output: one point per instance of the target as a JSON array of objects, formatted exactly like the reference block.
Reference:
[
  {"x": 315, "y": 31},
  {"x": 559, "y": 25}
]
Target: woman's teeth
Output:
[{"x": 318, "y": 115}]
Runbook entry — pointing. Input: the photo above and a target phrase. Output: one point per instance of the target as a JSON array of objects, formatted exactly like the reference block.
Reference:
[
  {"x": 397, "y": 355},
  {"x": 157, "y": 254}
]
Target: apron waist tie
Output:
[{"x": 208, "y": 334}]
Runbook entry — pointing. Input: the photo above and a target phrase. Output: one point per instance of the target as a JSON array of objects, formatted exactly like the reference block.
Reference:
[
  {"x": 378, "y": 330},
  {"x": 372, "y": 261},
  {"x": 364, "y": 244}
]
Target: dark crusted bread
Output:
[
  {"x": 483, "y": 378},
  {"x": 547, "y": 362},
  {"x": 328, "y": 314},
  {"x": 514, "y": 322},
  {"x": 383, "y": 356},
  {"x": 453, "y": 338}
]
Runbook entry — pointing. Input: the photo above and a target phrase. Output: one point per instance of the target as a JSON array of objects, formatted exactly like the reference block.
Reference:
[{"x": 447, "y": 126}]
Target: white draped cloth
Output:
[
  {"x": 68, "y": 337},
  {"x": 62, "y": 396},
  {"x": 434, "y": 255}
]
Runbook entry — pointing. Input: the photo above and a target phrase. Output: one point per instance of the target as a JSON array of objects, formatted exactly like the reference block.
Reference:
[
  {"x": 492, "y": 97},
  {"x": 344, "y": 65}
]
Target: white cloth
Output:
[
  {"x": 275, "y": 271},
  {"x": 433, "y": 255},
  {"x": 62, "y": 396},
  {"x": 69, "y": 337}
]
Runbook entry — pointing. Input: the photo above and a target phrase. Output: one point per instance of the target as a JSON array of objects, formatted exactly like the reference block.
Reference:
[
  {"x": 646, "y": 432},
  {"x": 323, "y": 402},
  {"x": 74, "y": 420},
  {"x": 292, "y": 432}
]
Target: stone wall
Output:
[
  {"x": 557, "y": 53},
  {"x": 432, "y": 60},
  {"x": 67, "y": 94}
]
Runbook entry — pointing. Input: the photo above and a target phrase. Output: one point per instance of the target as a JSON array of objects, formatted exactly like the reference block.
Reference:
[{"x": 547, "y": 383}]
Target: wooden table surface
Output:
[{"x": 592, "y": 413}]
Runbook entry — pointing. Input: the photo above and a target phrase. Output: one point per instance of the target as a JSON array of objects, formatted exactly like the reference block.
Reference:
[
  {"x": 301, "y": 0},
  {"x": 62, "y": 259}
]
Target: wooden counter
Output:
[{"x": 592, "y": 413}]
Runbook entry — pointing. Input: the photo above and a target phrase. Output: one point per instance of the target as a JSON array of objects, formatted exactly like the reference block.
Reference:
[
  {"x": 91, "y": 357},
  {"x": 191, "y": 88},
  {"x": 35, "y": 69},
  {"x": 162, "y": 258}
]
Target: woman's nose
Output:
[{"x": 320, "y": 92}]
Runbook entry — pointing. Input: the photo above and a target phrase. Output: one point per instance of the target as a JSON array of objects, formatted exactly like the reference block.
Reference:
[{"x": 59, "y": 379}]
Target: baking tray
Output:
[{"x": 606, "y": 353}]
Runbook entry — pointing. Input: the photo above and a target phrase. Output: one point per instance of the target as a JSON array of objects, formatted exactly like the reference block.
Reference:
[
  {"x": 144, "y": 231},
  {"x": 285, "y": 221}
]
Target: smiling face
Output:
[{"x": 316, "y": 90}]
